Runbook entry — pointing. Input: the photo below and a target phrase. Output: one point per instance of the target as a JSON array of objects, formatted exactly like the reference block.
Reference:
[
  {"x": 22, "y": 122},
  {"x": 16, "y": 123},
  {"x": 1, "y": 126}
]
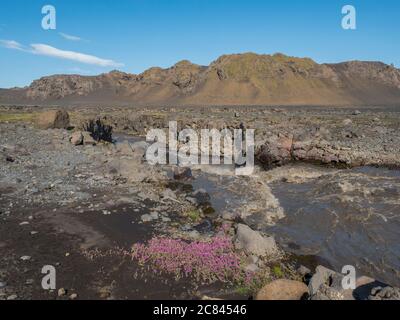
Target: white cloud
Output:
[
  {"x": 69, "y": 37},
  {"x": 46, "y": 50},
  {"x": 11, "y": 44}
]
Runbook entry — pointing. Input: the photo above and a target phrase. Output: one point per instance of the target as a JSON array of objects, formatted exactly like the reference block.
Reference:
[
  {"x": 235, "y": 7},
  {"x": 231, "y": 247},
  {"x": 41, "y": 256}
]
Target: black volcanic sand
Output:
[{"x": 59, "y": 243}]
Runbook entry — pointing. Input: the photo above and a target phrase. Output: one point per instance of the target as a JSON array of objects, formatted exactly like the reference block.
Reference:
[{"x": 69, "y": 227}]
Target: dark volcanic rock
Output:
[
  {"x": 98, "y": 130},
  {"x": 182, "y": 173}
]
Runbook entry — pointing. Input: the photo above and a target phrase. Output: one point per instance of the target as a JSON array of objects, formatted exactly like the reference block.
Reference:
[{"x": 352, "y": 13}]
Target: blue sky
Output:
[{"x": 133, "y": 35}]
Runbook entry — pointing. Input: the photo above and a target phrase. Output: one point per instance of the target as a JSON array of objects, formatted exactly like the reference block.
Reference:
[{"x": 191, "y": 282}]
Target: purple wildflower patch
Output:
[{"x": 207, "y": 261}]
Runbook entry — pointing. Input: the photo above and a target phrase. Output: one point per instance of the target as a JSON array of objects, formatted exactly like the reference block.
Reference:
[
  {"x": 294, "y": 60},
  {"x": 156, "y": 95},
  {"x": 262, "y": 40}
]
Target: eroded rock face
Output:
[
  {"x": 254, "y": 243},
  {"x": 53, "y": 120},
  {"x": 58, "y": 87},
  {"x": 278, "y": 151},
  {"x": 283, "y": 289}
]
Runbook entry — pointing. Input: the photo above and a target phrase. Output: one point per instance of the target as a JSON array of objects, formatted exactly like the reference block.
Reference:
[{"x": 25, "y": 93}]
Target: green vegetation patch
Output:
[{"x": 16, "y": 117}]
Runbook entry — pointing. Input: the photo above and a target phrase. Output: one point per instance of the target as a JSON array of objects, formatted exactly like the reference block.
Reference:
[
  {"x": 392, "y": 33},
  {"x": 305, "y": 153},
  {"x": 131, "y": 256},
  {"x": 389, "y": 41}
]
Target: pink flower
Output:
[{"x": 208, "y": 261}]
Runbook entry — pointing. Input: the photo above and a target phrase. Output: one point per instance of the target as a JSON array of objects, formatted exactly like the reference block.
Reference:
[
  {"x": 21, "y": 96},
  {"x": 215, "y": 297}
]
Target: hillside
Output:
[{"x": 247, "y": 79}]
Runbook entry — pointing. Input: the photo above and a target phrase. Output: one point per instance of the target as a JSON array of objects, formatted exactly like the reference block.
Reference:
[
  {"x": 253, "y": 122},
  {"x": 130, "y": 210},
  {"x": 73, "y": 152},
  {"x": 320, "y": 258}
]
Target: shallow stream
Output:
[{"x": 343, "y": 217}]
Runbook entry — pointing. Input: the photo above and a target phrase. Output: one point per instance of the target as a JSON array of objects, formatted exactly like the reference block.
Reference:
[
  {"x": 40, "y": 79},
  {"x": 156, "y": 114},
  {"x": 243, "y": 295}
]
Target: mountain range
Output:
[{"x": 237, "y": 79}]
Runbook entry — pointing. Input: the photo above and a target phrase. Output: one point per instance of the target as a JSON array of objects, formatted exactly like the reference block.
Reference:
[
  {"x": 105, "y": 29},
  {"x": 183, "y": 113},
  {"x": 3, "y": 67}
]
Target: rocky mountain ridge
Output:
[{"x": 248, "y": 79}]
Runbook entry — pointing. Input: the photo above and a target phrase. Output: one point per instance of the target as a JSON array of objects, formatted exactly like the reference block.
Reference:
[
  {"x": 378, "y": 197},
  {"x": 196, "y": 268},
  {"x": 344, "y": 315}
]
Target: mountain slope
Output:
[{"x": 249, "y": 79}]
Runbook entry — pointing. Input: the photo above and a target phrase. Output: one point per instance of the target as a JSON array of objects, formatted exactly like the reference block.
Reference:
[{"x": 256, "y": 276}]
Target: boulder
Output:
[
  {"x": 364, "y": 287},
  {"x": 88, "y": 139},
  {"x": 283, "y": 289},
  {"x": 202, "y": 197},
  {"x": 322, "y": 275},
  {"x": 182, "y": 173},
  {"x": 277, "y": 151},
  {"x": 254, "y": 243},
  {"x": 326, "y": 284},
  {"x": 56, "y": 119},
  {"x": 347, "y": 122},
  {"x": 77, "y": 138},
  {"x": 168, "y": 194},
  {"x": 303, "y": 271}
]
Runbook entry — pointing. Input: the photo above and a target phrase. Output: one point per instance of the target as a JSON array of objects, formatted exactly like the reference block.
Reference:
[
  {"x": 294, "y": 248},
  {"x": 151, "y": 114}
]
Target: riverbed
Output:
[{"x": 339, "y": 216}]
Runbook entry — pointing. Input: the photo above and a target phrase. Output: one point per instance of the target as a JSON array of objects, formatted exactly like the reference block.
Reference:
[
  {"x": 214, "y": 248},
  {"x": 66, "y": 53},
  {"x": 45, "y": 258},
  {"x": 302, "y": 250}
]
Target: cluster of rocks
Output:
[
  {"x": 326, "y": 284},
  {"x": 82, "y": 138},
  {"x": 335, "y": 137},
  {"x": 384, "y": 293},
  {"x": 93, "y": 131}
]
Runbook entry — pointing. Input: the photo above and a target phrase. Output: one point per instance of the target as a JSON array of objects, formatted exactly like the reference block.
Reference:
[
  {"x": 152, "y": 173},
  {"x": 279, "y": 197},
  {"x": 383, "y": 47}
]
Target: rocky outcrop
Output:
[
  {"x": 53, "y": 120},
  {"x": 326, "y": 284},
  {"x": 58, "y": 87},
  {"x": 277, "y": 151},
  {"x": 280, "y": 150},
  {"x": 254, "y": 243},
  {"x": 98, "y": 130}
]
